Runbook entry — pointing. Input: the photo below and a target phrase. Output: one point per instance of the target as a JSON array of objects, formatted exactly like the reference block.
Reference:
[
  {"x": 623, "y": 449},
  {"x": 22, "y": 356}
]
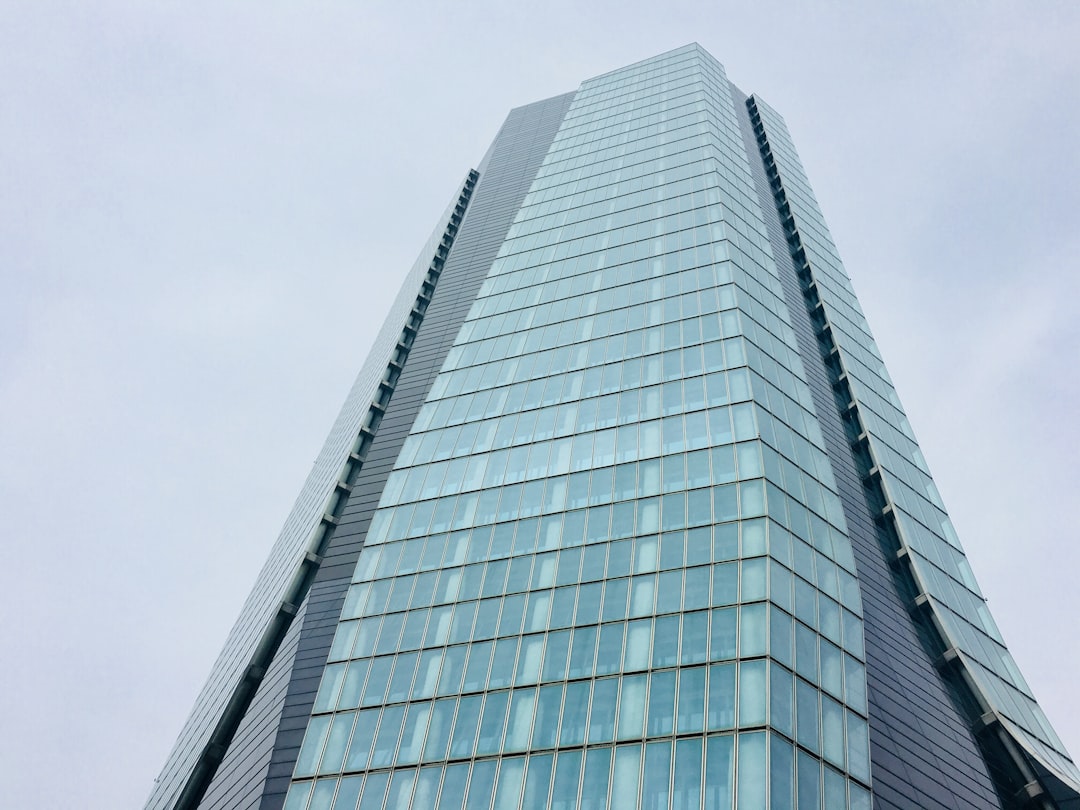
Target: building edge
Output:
[
  {"x": 1028, "y": 770},
  {"x": 282, "y": 585}
]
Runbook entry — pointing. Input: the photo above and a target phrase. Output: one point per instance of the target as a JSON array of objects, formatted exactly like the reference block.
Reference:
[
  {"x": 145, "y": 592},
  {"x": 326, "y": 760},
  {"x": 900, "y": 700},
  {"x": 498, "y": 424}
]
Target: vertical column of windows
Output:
[{"x": 788, "y": 424}]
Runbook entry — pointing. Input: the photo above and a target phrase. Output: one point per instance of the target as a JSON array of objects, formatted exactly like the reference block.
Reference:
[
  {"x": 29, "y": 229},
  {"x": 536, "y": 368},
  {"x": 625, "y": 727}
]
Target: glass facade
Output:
[{"x": 616, "y": 561}]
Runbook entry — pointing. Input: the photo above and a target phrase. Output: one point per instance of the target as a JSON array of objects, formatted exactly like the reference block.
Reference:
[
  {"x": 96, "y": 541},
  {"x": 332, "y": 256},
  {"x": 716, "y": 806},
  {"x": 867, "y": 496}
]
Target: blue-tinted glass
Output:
[
  {"x": 602, "y": 710},
  {"x": 537, "y": 781},
  {"x": 508, "y": 792},
  {"x": 661, "y": 718},
  {"x": 781, "y": 700},
  {"x": 413, "y": 733},
  {"x": 386, "y": 741},
  {"x": 721, "y": 709},
  {"x": 374, "y": 791},
  {"x": 691, "y": 709},
  {"x": 400, "y": 794},
  {"x": 782, "y": 775},
  {"x": 336, "y": 741},
  {"x": 348, "y": 794},
  {"x": 492, "y": 723},
  {"x": 427, "y": 786},
  {"x": 752, "y": 630},
  {"x": 455, "y": 780},
  {"x": 809, "y": 782},
  {"x": 655, "y": 785},
  {"x": 323, "y": 794},
  {"x": 299, "y": 792},
  {"x": 723, "y": 634},
  {"x": 520, "y": 720},
  {"x": 624, "y": 783},
  {"x": 575, "y": 713},
  {"x": 555, "y": 656},
  {"x": 564, "y": 793},
  {"x": 807, "y": 714},
  {"x": 686, "y": 792},
  {"x": 468, "y": 716},
  {"x": 546, "y": 724},
  {"x": 480, "y": 785},
  {"x": 752, "y": 774},
  {"x": 835, "y": 789},
  {"x": 609, "y": 652},
  {"x": 719, "y": 772},
  {"x": 438, "y": 736},
  {"x": 594, "y": 788}
]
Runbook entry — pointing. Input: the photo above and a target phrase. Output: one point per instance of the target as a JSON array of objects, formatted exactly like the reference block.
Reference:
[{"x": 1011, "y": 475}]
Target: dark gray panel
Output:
[{"x": 238, "y": 781}]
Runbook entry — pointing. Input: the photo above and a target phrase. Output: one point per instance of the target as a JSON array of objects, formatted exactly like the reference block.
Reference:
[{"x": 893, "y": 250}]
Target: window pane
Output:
[
  {"x": 492, "y": 723},
  {"x": 832, "y": 731},
  {"x": 781, "y": 700},
  {"x": 567, "y": 778},
  {"x": 632, "y": 707},
  {"x": 336, "y": 742},
  {"x": 508, "y": 793},
  {"x": 546, "y": 724},
  {"x": 665, "y": 651},
  {"x": 655, "y": 788},
  {"x": 483, "y": 778},
  {"x": 401, "y": 788},
  {"x": 752, "y": 694},
  {"x": 311, "y": 750},
  {"x": 349, "y": 792},
  {"x": 752, "y": 636},
  {"x": 782, "y": 774},
  {"x": 538, "y": 781},
  {"x": 686, "y": 794},
  {"x": 806, "y": 707},
  {"x": 809, "y": 782},
  {"x": 602, "y": 710},
  {"x": 721, "y": 714},
  {"x": 453, "y": 790},
  {"x": 662, "y": 703},
  {"x": 719, "y": 772},
  {"x": 468, "y": 715},
  {"x": 575, "y": 713},
  {"x": 624, "y": 786},
  {"x": 723, "y": 634},
  {"x": 752, "y": 772},
  {"x": 386, "y": 741},
  {"x": 594, "y": 788},
  {"x": 374, "y": 791},
  {"x": 691, "y": 713},
  {"x": 427, "y": 787},
  {"x": 415, "y": 730},
  {"x": 298, "y": 795},
  {"x": 442, "y": 716}
]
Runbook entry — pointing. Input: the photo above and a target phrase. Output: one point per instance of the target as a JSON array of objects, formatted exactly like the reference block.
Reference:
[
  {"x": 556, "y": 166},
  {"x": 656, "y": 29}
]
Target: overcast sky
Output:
[{"x": 206, "y": 209}]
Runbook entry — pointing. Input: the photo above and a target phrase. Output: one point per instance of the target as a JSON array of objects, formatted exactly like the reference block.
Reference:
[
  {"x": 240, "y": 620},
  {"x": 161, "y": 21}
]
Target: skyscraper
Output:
[{"x": 621, "y": 511}]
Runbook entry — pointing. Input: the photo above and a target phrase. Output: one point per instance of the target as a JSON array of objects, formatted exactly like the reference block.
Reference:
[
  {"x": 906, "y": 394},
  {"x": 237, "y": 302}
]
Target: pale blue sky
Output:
[{"x": 205, "y": 210}]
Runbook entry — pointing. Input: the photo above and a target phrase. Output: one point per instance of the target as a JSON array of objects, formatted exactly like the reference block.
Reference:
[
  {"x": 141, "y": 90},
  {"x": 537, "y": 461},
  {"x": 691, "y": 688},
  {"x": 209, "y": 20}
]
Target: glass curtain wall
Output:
[{"x": 610, "y": 568}]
